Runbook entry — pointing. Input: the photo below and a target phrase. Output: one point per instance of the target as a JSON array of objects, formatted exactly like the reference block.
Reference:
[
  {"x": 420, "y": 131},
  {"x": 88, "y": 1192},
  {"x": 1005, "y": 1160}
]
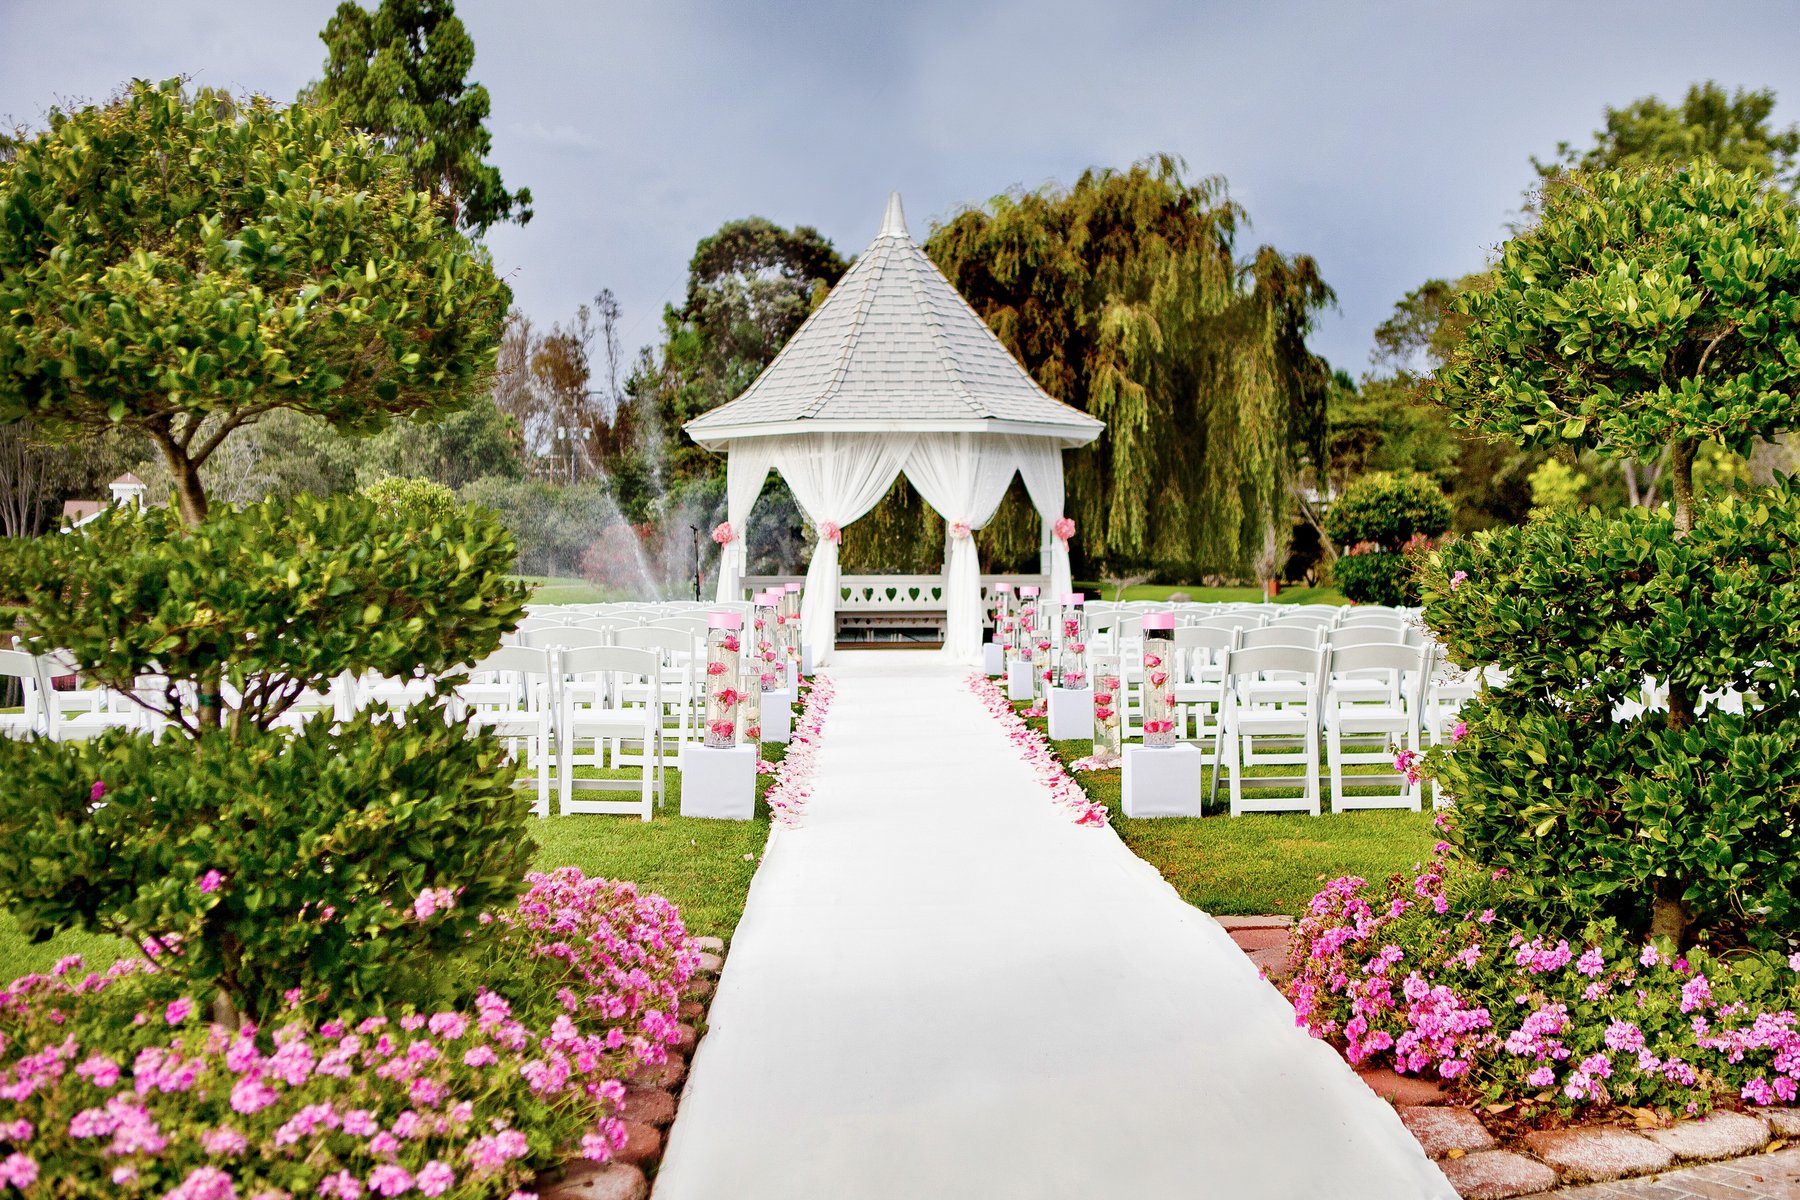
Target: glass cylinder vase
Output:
[
  {"x": 1071, "y": 666},
  {"x": 750, "y": 690},
  {"x": 723, "y": 686},
  {"x": 768, "y": 651},
  {"x": 1003, "y": 618},
  {"x": 1159, "y": 689},
  {"x": 790, "y": 628},
  {"x": 1026, "y": 631},
  {"x": 1108, "y": 696}
]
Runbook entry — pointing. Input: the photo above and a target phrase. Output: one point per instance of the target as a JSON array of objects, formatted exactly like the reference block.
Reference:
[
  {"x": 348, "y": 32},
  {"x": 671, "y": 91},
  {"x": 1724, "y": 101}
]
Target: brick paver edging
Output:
[
  {"x": 651, "y": 1099},
  {"x": 1744, "y": 1155}
]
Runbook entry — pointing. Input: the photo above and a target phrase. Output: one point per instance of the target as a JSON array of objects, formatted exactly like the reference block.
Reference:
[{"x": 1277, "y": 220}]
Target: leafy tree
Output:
[
  {"x": 1382, "y": 522},
  {"x": 401, "y": 74},
  {"x": 184, "y": 266},
  {"x": 1124, "y": 296},
  {"x": 1644, "y": 312},
  {"x": 749, "y": 287},
  {"x": 1730, "y": 128}
]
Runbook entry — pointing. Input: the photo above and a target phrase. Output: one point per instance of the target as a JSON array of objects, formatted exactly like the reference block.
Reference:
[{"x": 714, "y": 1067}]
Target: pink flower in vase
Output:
[
  {"x": 753, "y": 733},
  {"x": 1103, "y": 697},
  {"x": 1049, "y": 675},
  {"x": 1102, "y": 714},
  {"x": 768, "y": 681},
  {"x": 1077, "y": 647},
  {"x": 1110, "y": 682},
  {"x": 1153, "y": 660},
  {"x": 722, "y": 729},
  {"x": 722, "y": 533},
  {"x": 1071, "y": 628},
  {"x": 715, "y": 668},
  {"x": 728, "y": 696},
  {"x": 1074, "y": 679},
  {"x": 1159, "y": 678},
  {"x": 729, "y": 642},
  {"x": 1158, "y": 726}
]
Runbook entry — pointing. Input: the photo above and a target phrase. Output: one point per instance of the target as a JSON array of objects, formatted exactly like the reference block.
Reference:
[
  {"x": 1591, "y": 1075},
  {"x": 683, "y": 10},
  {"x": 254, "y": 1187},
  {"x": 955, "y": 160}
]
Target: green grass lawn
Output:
[
  {"x": 1222, "y": 595},
  {"x": 1260, "y": 862},
  {"x": 704, "y": 866}
]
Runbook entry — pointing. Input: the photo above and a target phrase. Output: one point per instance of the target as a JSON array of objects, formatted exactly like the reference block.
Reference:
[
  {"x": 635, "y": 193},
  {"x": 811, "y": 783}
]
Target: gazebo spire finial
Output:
[{"x": 893, "y": 224}]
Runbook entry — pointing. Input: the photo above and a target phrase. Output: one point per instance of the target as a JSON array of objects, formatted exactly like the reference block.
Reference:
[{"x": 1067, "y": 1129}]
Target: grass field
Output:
[
  {"x": 1243, "y": 595},
  {"x": 1260, "y": 862},
  {"x": 549, "y": 589}
]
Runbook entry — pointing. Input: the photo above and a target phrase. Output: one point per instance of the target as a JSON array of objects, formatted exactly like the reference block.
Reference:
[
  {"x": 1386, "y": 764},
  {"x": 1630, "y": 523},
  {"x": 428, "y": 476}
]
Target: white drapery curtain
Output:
[
  {"x": 964, "y": 477},
  {"x": 1040, "y": 466},
  {"x": 746, "y": 469},
  {"x": 836, "y": 478}
]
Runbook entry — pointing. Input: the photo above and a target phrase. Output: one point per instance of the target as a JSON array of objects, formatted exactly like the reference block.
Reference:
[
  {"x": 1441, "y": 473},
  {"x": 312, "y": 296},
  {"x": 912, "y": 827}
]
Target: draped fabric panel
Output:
[
  {"x": 746, "y": 469},
  {"x": 836, "y": 478},
  {"x": 964, "y": 476},
  {"x": 1040, "y": 466}
]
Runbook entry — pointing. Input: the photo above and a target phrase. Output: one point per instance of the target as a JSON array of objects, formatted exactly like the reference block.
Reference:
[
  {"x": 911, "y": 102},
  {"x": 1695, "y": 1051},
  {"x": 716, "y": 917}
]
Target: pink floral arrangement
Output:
[
  {"x": 1035, "y": 749},
  {"x": 1063, "y": 528},
  {"x": 1158, "y": 726},
  {"x": 830, "y": 532},
  {"x": 723, "y": 533},
  {"x": 960, "y": 530},
  {"x": 792, "y": 788}
]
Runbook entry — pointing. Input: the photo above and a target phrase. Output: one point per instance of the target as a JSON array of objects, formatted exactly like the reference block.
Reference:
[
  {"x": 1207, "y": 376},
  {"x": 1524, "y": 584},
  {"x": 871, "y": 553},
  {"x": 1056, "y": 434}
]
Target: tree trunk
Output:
[
  {"x": 188, "y": 490},
  {"x": 1681, "y": 483},
  {"x": 1671, "y": 917}
]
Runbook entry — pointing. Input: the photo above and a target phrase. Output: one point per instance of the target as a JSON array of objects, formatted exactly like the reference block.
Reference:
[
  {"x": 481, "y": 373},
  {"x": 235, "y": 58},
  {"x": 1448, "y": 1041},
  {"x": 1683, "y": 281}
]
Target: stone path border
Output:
[
  {"x": 1602, "y": 1162},
  {"x": 651, "y": 1101}
]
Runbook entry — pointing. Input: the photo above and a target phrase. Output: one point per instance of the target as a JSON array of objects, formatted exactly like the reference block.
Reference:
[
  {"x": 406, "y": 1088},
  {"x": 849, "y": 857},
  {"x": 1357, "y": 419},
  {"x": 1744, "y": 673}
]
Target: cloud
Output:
[{"x": 565, "y": 137}]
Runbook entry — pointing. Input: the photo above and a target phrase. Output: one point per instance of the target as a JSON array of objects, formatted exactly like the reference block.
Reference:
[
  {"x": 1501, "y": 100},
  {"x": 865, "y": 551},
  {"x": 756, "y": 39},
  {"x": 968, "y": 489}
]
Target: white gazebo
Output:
[{"x": 895, "y": 373}]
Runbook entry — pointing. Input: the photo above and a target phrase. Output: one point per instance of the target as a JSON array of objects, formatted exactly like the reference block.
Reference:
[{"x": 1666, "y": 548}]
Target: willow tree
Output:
[{"x": 1126, "y": 297}]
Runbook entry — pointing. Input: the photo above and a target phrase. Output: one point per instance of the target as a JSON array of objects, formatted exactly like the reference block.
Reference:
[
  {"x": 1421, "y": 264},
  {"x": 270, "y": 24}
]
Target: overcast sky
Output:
[{"x": 1392, "y": 141}]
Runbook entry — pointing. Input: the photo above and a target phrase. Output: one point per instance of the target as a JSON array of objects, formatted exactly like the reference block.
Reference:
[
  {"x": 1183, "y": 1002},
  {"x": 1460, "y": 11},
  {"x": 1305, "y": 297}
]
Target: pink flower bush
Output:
[
  {"x": 792, "y": 788},
  {"x": 1035, "y": 749},
  {"x": 1421, "y": 976},
  {"x": 112, "y": 1084}
]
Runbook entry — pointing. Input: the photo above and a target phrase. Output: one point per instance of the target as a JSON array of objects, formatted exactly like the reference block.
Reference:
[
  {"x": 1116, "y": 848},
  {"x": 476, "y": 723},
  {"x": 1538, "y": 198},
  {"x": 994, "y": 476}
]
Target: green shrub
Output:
[
  {"x": 267, "y": 600},
  {"x": 273, "y": 861},
  {"x": 1643, "y": 315},
  {"x": 1388, "y": 510},
  {"x": 1597, "y": 815},
  {"x": 1375, "y": 577},
  {"x": 421, "y": 501}
]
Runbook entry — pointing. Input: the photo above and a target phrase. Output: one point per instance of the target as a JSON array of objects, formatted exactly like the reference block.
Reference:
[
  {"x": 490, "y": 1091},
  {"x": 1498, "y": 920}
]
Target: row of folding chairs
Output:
[
  {"x": 564, "y": 711},
  {"x": 1294, "y": 717}
]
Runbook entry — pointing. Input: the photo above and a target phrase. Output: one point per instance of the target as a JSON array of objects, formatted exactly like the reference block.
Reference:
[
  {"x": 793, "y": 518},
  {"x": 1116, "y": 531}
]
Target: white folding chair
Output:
[
  {"x": 611, "y": 677},
  {"x": 20, "y": 666},
  {"x": 1363, "y": 727},
  {"x": 1283, "y": 634},
  {"x": 1271, "y": 719},
  {"x": 681, "y": 657},
  {"x": 1199, "y": 679},
  {"x": 509, "y": 695}
]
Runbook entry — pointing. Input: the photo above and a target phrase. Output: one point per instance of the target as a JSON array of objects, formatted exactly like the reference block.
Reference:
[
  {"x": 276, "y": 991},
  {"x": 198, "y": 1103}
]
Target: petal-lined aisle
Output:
[{"x": 944, "y": 986}]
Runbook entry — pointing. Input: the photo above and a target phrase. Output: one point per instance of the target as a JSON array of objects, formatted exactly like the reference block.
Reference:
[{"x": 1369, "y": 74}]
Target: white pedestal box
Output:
[
  {"x": 1019, "y": 679},
  {"x": 1161, "y": 781},
  {"x": 993, "y": 659},
  {"x": 778, "y": 716},
  {"x": 1071, "y": 714},
  {"x": 806, "y": 662},
  {"x": 718, "y": 783}
]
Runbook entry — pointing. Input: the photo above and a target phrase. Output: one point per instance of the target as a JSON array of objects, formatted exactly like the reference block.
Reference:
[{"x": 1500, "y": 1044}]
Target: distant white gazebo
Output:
[{"x": 895, "y": 374}]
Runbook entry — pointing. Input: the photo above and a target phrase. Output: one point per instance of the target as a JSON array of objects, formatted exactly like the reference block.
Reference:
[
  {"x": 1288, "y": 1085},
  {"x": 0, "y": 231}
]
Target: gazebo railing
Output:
[{"x": 895, "y": 596}]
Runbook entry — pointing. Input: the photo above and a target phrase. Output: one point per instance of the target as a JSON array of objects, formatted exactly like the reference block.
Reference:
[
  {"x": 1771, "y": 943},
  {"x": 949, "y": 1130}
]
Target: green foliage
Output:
[
  {"x": 1388, "y": 510},
  {"x": 182, "y": 265},
  {"x": 1732, "y": 129},
  {"x": 1556, "y": 486},
  {"x": 401, "y": 74},
  {"x": 417, "y": 502},
  {"x": 269, "y": 599},
  {"x": 1375, "y": 577},
  {"x": 1697, "y": 806},
  {"x": 322, "y": 840},
  {"x": 1641, "y": 311},
  {"x": 1124, "y": 296}
]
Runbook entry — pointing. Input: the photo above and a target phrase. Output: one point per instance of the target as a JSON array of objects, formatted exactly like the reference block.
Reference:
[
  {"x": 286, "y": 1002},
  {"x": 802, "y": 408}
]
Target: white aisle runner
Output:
[{"x": 944, "y": 988}]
